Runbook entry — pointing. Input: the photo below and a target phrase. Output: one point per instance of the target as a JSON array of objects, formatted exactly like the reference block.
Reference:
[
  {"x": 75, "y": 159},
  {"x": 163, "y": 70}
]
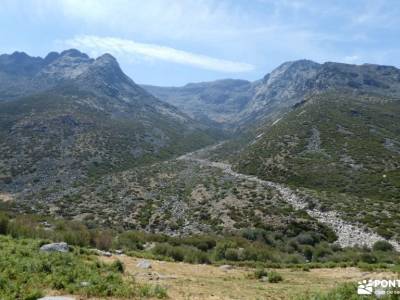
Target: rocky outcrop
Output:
[{"x": 55, "y": 247}]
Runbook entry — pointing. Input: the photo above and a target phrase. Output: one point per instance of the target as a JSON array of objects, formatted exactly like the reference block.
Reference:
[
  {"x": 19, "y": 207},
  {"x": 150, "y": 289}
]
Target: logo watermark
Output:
[{"x": 379, "y": 287}]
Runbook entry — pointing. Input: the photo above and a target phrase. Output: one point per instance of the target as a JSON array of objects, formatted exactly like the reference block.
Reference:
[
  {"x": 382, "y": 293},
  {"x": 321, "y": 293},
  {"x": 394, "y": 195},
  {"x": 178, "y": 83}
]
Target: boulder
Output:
[
  {"x": 102, "y": 253},
  {"x": 85, "y": 283},
  {"x": 226, "y": 267},
  {"x": 144, "y": 264},
  {"x": 55, "y": 247}
]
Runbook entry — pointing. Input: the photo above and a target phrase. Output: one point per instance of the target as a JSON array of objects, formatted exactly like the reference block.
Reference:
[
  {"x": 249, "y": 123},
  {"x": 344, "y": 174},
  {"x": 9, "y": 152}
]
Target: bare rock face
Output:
[{"x": 55, "y": 247}]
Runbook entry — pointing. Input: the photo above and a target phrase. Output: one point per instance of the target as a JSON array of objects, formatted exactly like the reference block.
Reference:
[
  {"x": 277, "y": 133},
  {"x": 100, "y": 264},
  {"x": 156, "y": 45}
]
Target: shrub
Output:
[
  {"x": 164, "y": 249},
  {"x": 4, "y": 220},
  {"x": 196, "y": 257},
  {"x": 130, "y": 240},
  {"x": 260, "y": 273},
  {"x": 382, "y": 246},
  {"x": 118, "y": 266},
  {"x": 274, "y": 277},
  {"x": 103, "y": 239},
  {"x": 220, "y": 249},
  {"x": 321, "y": 252},
  {"x": 305, "y": 239},
  {"x": 368, "y": 258},
  {"x": 231, "y": 254},
  {"x": 308, "y": 253}
]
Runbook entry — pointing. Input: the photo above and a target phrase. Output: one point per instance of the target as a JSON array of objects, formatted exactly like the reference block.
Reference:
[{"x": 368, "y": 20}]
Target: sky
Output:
[{"x": 173, "y": 42}]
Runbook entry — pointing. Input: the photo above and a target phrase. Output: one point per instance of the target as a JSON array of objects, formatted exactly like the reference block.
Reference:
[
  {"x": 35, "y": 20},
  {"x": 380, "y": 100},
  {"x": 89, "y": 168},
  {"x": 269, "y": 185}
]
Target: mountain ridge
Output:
[{"x": 279, "y": 90}]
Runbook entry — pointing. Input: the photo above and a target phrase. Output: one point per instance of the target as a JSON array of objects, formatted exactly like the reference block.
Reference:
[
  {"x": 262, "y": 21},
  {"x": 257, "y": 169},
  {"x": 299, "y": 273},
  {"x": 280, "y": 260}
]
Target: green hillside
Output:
[{"x": 343, "y": 147}]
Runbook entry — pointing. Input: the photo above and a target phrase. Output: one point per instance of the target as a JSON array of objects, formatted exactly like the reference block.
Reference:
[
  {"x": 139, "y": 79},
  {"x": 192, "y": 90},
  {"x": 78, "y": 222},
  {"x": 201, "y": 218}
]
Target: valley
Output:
[{"x": 291, "y": 175}]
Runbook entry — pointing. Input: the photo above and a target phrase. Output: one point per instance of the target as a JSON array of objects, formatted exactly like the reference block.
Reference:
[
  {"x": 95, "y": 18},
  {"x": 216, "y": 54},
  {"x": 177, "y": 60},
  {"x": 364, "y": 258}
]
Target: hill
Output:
[{"x": 342, "y": 148}]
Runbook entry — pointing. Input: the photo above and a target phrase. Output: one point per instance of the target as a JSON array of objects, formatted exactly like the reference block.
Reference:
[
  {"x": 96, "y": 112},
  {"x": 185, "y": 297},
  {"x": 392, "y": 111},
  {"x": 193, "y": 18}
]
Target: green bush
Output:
[
  {"x": 382, "y": 246},
  {"x": 368, "y": 258},
  {"x": 118, "y": 266},
  {"x": 231, "y": 254},
  {"x": 260, "y": 273},
  {"x": 4, "y": 220},
  {"x": 274, "y": 277}
]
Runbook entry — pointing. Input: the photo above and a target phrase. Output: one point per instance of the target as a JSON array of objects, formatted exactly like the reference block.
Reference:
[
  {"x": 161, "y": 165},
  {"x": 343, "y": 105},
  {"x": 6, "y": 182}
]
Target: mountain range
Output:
[
  {"x": 79, "y": 138},
  {"x": 234, "y": 103},
  {"x": 67, "y": 117}
]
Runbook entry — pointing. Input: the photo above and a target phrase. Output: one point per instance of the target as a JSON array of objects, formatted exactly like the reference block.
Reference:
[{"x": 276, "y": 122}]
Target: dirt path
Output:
[{"x": 348, "y": 234}]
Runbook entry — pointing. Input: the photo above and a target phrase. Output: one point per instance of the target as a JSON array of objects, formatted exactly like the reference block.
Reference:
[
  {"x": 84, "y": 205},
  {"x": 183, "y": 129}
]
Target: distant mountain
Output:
[
  {"x": 234, "y": 103},
  {"x": 68, "y": 117},
  {"x": 216, "y": 102}
]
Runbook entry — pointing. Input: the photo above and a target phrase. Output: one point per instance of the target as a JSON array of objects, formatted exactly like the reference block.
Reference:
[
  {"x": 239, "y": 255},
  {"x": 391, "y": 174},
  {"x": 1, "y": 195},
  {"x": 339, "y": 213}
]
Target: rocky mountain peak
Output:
[
  {"x": 106, "y": 59},
  {"x": 51, "y": 57},
  {"x": 19, "y": 63},
  {"x": 74, "y": 53}
]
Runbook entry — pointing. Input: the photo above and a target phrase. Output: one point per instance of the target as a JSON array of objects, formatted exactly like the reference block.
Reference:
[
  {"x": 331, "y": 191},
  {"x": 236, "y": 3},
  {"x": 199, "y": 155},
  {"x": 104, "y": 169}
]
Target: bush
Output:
[
  {"x": 4, "y": 220},
  {"x": 382, "y": 246},
  {"x": 308, "y": 253},
  {"x": 164, "y": 249},
  {"x": 260, "y": 273},
  {"x": 103, "y": 239},
  {"x": 118, "y": 266},
  {"x": 231, "y": 254},
  {"x": 368, "y": 258},
  {"x": 130, "y": 240},
  {"x": 274, "y": 277},
  {"x": 220, "y": 249},
  {"x": 196, "y": 257},
  {"x": 306, "y": 239}
]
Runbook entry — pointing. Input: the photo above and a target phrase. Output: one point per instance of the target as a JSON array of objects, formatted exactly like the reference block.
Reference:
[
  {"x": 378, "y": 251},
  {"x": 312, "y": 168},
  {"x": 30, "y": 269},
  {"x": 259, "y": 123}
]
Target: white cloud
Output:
[{"x": 117, "y": 46}]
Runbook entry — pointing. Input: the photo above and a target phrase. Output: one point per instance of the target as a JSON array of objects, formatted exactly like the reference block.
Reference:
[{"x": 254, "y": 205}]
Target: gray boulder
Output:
[
  {"x": 144, "y": 264},
  {"x": 55, "y": 247},
  {"x": 103, "y": 253},
  {"x": 226, "y": 267}
]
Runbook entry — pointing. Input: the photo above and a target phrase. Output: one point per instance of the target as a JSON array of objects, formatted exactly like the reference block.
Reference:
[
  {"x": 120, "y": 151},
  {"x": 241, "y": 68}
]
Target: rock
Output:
[
  {"x": 119, "y": 252},
  {"x": 144, "y": 264},
  {"x": 264, "y": 279},
  {"x": 56, "y": 298},
  {"x": 226, "y": 267},
  {"x": 149, "y": 246},
  {"x": 103, "y": 253},
  {"x": 85, "y": 283},
  {"x": 55, "y": 247}
]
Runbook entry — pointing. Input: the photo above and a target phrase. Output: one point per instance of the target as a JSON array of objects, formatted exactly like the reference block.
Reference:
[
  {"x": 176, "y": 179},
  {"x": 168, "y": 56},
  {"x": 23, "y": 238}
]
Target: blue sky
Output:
[{"x": 172, "y": 42}]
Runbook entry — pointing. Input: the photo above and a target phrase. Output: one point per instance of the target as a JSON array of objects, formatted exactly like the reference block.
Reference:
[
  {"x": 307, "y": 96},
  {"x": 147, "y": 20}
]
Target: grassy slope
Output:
[
  {"x": 348, "y": 167},
  {"x": 28, "y": 274}
]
